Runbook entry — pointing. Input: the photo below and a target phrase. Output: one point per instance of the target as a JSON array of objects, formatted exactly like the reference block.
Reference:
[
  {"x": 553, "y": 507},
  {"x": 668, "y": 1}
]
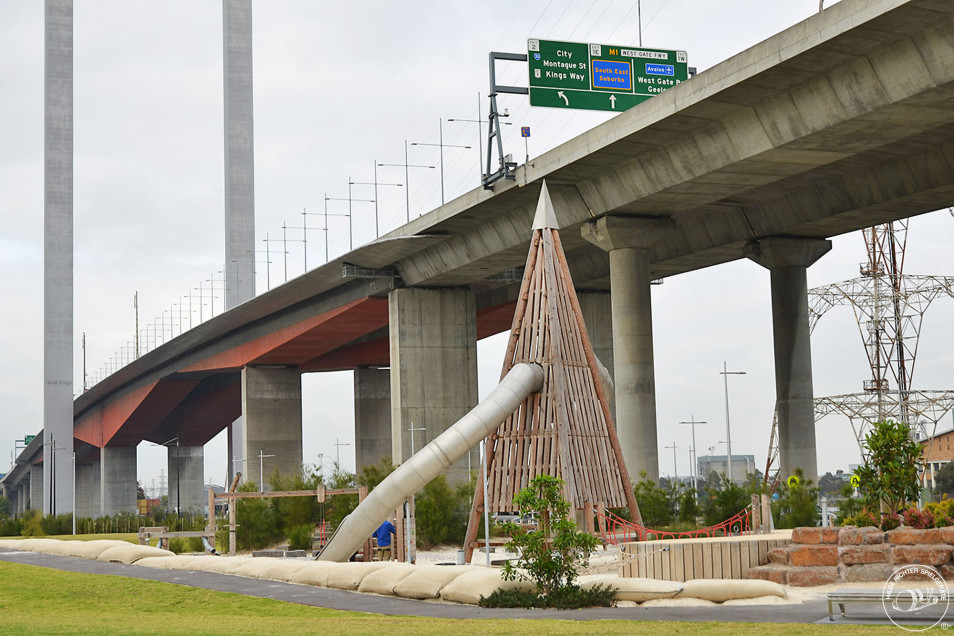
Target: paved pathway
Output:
[{"x": 808, "y": 612}]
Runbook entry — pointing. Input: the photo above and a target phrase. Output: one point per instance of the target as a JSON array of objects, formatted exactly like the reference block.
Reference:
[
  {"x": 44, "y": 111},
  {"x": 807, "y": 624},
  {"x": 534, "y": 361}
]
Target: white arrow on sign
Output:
[
  {"x": 565, "y": 100},
  {"x": 613, "y": 101}
]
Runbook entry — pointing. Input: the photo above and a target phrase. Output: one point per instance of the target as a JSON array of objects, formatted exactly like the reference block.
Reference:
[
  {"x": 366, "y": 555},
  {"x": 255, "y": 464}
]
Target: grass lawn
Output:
[{"x": 35, "y": 600}]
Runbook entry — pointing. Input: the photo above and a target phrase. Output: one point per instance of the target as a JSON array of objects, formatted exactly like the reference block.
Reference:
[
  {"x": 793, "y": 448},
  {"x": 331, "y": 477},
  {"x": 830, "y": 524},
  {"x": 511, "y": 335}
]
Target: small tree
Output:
[
  {"x": 653, "y": 501},
  {"x": 723, "y": 499},
  {"x": 550, "y": 554},
  {"x": 889, "y": 476},
  {"x": 795, "y": 506}
]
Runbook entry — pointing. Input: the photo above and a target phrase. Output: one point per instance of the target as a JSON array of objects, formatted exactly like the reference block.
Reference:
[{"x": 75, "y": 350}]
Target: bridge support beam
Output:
[
  {"x": 23, "y": 498},
  {"x": 117, "y": 480},
  {"x": 186, "y": 470},
  {"x": 433, "y": 341},
  {"x": 88, "y": 489},
  {"x": 372, "y": 416},
  {"x": 628, "y": 241},
  {"x": 36, "y": 486},
  {"x": 271, "y": 408},
  {"x": 597, "y": 308},
  {"x": 788, "y": 260}
]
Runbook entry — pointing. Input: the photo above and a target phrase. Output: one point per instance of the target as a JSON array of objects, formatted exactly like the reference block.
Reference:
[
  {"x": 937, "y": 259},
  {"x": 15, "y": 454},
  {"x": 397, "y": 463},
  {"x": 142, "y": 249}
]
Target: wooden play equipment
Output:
[
  {"x": 566, "y": 429},
  {"x": 321, "y": 493}
]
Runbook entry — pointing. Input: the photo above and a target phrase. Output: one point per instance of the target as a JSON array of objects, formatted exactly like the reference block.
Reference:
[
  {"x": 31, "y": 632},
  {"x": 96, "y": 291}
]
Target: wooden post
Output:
[
  {"x": 399, "y": 534},
  {"x": 362, "y": 493},
  {"x": 232, "y": 503},
  {"x": 211, "y": 524},
  {"x": 588, "y": 517},
  {"x": 756, "y": 515},
  {"x": 766, "y": 514}
]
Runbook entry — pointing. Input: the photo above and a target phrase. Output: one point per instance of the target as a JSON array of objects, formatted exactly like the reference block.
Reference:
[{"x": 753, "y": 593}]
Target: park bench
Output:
[{"x": 844, "y": 597}]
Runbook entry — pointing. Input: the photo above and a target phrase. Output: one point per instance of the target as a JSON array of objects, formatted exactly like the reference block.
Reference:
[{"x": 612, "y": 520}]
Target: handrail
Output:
[{"x": 615, "y": 530}]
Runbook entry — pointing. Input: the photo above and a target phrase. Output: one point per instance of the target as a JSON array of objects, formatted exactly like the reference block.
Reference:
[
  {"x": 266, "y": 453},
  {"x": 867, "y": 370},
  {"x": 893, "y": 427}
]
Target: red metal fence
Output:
[{"x": 615, "y": 530}]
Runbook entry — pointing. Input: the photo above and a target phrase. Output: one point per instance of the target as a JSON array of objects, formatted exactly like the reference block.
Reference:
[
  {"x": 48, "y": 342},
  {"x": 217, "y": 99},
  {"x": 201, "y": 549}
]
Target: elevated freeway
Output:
[{"x": 838, "y": 123}]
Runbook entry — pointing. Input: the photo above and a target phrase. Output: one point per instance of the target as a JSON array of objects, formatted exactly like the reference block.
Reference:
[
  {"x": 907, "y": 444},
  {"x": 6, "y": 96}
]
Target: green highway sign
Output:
[{"x": 600, "y": 76}]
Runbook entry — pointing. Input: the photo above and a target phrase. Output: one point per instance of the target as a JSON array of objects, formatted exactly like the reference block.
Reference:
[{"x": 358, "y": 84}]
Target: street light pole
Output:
[
  {"x": 675, "y": 468},
  {"x": 728, "y": 435},
  {"x": 375, "y": 183},
  {"x": 338, "y": 451},
  {"x": 412, "y": 430},
  {"x": 693, "y": 456},
  {"x": 407, "y": 185},
  {"x": 261, "y": 470},
  {"x": 441, "y": 145}
]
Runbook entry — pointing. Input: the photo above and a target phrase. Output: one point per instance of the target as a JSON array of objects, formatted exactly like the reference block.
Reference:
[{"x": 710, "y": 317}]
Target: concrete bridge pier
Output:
[
  {"x": 117, "y": 480},
  {"x": 23, "y": 498},
  {"x": 36, "y": 486},
  {"x": 597, "y": 308},
  {"x": 433, "y": 343},
  {"x": 186, "y": 470},
  {"x": 12, "y": 495},
  {"x": 628, "y": 241},
  {"x": 372, "y": 416},
  {"x": 271, "y": 409},
  {"x": 788, "y": 260},
  {"x": 87, "y": 489}
]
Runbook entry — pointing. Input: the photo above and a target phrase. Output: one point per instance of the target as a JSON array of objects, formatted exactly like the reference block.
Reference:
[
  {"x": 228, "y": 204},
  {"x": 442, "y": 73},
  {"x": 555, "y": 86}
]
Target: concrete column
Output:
[
  {"x": 788, "y": 259},
  {"x": 239, "y": 153},
  {"x": 12, "y": 495},
  {"x": 23, "y": 499},
  {"x": 597, "y": 308},
  {"x": 239, "y": 174},
  {"x": 58, "y": 258},
  {"x": 88, "y": 489},
  {"x": 433, "y": 338},
  {"x": 186, "y": 470},
  {"x": 36, "y": 486},
  {"x": 271, "y": 407},
  {"x": 372, "y": 416},
  {"x": 628, "y": 239},
  {"x": 117, "y": 481}
]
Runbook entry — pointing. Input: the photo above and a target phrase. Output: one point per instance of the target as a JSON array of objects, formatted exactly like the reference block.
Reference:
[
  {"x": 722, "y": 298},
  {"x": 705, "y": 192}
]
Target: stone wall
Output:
[{"x": 820, "y": 556}]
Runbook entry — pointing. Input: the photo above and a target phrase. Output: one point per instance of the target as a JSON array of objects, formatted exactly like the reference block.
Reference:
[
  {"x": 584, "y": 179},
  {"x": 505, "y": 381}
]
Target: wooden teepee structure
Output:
[{"x": 566, "y": 429}]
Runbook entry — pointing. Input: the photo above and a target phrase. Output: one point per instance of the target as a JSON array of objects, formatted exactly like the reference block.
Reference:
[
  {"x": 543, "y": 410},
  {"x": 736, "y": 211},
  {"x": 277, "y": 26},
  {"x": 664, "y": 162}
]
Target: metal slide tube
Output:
[{"x": 432, "y": 460}]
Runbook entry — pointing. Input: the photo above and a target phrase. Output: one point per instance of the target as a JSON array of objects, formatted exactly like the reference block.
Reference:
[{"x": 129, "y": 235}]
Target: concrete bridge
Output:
[{"x": 841, "y": 122}]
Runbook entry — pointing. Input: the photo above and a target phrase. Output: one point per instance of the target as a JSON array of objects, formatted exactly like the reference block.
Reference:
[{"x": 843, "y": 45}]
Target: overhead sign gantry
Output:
[{"x": 600, "y": 76}]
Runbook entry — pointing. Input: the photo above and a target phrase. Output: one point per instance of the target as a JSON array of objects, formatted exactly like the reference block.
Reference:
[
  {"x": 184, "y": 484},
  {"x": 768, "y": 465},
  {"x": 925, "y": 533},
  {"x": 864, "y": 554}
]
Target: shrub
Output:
[
  {"x": 724, "y": 499},
  {"x": 943, "y": 512},
  {"x": 10, "y": 527},
  {"x": 570, "y": 597},
  {"x": 890, "y": 520},
  {"x": 653, "y": 502},
  {"x": 889, "y": 476},
  {"x": 299, "y": 537},
  {"x": 257, "y": 523},
  {"x": 548, "y": 555},
  {"x": 32, "y": 523},
  {"x": 442, "y": 513},
  {"x": 795, "y": 506},
  {"x": 920, "y": 519},
  {"x": 60, "y": 524},
  {"x": 689, "y": 506},
  {"x": 177, "y": 545},
  {"x": 862, "y": 519}
]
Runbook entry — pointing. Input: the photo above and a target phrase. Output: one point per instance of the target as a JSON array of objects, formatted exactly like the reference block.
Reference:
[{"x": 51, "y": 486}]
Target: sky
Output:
[{"x": 338, "y": 87}]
